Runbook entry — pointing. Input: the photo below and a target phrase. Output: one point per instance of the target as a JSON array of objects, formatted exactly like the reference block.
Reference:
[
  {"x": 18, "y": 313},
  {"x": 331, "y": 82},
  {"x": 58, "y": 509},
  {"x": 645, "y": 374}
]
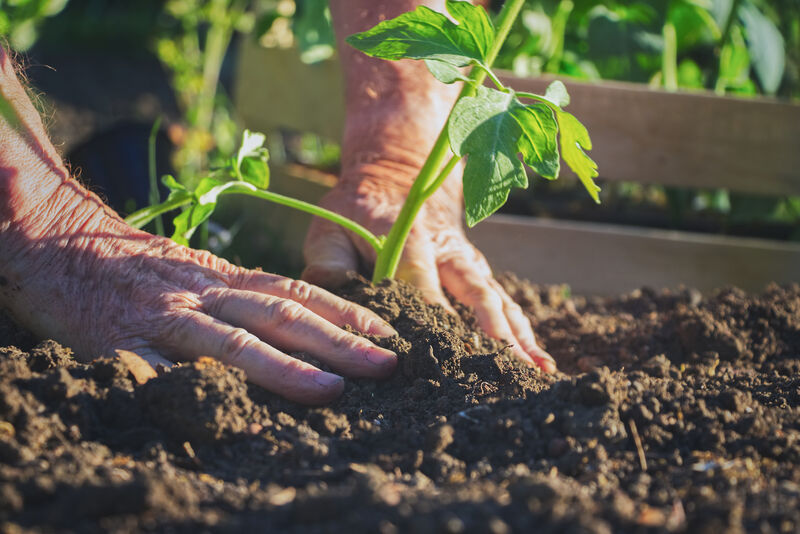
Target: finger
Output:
[
  {"x": 521, "y": 326},
  {"x": 153, "y": 358},
  {"x": 329, "y": 255},
  {"x": 418, "y": 268},
  {"x": 325, "y": 304},
  {"x": 202, "y": 335},
  {"x": 467, "y": 284},
  {"x": 291, "y": 327}
]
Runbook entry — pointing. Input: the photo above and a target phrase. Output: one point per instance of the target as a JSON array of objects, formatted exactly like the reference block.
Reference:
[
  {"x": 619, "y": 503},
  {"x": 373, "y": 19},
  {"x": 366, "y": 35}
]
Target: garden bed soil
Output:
[{"x": 677, "y": 412}]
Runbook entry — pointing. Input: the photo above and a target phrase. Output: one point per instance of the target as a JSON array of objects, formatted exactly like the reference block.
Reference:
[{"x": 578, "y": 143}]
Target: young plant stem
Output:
[
  {"x": 374, "y": 241},
  {"x": 142, "y": 217},
  {"x": 432, "y": 175},
  {"x": 154, "y": 198}
]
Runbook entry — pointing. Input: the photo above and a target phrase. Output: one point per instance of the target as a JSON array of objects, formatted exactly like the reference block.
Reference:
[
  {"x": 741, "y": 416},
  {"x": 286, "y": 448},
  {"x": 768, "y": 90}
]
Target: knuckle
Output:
[
  {"x": 299, "y": 291},
  {"x": 481, "y": 294},
  {"x": 234, "y": 344},
  {"x": 284, "y": 313},
  {"x": 213, "y": 300},
  {"x": 292, "y": 372}
]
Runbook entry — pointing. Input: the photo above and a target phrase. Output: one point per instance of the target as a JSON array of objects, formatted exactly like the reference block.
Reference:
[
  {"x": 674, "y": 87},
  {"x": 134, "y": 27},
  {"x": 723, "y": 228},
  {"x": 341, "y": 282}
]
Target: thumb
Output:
[{"x": 329, "y": 254}]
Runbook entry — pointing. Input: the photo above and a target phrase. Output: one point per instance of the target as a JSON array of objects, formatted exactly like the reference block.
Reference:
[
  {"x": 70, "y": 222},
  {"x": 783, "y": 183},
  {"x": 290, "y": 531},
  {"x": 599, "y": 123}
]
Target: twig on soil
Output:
[{"x": 638, "y": 442}]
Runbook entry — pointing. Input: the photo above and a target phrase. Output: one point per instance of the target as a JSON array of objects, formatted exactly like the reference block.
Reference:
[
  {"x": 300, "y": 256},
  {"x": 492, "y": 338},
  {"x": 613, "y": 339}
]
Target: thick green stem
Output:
[{"x": 431, "y": 175}]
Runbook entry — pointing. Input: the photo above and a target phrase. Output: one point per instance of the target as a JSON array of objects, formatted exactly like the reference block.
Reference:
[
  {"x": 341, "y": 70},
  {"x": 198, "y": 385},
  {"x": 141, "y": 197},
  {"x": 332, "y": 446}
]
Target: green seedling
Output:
[{"x": 491, "y": 127}]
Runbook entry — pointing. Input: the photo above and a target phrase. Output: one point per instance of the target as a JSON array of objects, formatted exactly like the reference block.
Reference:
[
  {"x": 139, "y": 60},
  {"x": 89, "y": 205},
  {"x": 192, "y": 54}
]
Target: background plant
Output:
[
  {"x": 742, "y": 47},
  {"x": 20, "y": 19}
]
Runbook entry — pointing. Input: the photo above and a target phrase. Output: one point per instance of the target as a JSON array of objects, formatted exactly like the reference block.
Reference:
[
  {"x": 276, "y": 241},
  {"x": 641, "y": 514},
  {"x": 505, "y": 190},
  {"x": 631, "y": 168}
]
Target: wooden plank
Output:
[
  {"x": 697, "y": 140},
  {"x": 274, "y": 90},
  {"x": 608, "y": 259},
  {"x": 640, "y": 135}
]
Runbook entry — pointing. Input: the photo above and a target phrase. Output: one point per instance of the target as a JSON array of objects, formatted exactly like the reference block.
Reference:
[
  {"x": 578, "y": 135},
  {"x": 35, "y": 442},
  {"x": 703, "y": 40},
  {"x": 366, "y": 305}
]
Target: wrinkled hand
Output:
[
  {"x": 72, "y": 270},
  {"x": 129, "y": 290},
  {"x": 437, "y": 254}
]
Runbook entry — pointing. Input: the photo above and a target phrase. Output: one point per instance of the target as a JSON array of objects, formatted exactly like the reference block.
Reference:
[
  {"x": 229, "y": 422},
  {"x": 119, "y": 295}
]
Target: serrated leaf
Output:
[
  {"x": 476, "y": 21},
  {"x": 428, "y": 34},
  {"x": 557, "y": 94},
  {"x": 444, "y": 72},
  {"x": 492, "y": 128},
  {"x": 574, "y": 139},
  {"x": 539, "y": 141}
]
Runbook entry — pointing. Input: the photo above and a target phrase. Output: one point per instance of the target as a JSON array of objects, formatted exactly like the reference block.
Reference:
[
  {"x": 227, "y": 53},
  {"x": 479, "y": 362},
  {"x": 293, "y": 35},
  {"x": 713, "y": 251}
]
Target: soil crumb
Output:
[{"x": 673, "y": 412}]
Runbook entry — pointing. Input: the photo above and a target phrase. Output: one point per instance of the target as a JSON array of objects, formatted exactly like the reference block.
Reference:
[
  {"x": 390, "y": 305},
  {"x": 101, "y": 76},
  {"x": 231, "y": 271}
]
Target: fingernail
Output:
[
  {"x": 327, "y": 379},
  {"x": 548, "y": 365},
  {"x": 382, "y": 328},
  {"x": 379, "y": 356}
]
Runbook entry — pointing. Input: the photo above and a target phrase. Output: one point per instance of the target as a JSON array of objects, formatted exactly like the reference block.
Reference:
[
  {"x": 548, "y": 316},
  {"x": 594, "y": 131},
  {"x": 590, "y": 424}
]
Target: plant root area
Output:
[{"x": 674, "y": 412}]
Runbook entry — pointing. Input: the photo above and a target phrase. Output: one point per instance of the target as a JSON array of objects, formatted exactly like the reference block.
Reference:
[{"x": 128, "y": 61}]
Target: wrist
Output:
[{"x": 62, "y": 223}]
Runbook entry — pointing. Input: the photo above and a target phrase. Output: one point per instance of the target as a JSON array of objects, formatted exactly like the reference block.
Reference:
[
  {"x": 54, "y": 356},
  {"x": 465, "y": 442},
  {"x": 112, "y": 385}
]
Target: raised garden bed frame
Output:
[{"x": 690, "y": 139}]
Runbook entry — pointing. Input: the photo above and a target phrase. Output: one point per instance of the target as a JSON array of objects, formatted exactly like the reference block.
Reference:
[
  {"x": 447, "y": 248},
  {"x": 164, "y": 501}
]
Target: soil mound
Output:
[{"x": 676, "y": 412}]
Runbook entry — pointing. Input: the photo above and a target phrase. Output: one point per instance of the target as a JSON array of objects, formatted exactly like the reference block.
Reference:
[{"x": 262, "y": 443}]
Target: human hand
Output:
[
  {"x": 108, "y": 287},
  {"x": 72, "y": 270},
  {"x": 437, "y": 255},
  {"x": 395, "y": 111}
]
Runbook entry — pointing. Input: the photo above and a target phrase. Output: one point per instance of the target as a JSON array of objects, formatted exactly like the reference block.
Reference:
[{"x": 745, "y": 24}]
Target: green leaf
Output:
[
  {"x": 557, "y": 94},
  {"x": 444, "y": 72},
  {"x": 538, "y": 142},
  {"x": 256, "y": 172},
  {"x": 251, "y": 160},
  {"x": 574, "y": 140},
  {"x": 172, "y": 184},
  {"x": 766, "y": 47},
  {"x": 492, "y": 128},
  {"x": 475, "y": 20},
  {"x": 205, "y": 201},
  {"x": 428, "y": 34}
]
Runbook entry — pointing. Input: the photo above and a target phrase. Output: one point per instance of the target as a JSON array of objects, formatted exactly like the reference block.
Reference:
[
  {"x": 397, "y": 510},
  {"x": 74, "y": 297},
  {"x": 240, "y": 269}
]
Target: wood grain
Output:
[{"x": 608, "y": 259}]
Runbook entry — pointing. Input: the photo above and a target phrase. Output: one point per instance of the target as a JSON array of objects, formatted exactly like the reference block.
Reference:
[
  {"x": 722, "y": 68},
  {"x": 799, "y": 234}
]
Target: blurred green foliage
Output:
[
  {"x": 20, "y": 19},
  {"x": 730, "y": 46},
  {"x": 741, "y": 47}
]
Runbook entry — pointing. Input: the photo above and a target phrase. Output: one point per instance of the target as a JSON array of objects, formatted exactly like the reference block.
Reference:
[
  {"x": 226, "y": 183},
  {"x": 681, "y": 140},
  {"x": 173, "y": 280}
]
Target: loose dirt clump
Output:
[{"x": 675, "y": 412}]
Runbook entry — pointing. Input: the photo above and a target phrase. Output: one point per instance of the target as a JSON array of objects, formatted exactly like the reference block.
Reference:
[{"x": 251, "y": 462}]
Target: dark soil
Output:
[{"x": 679, "y": 414}]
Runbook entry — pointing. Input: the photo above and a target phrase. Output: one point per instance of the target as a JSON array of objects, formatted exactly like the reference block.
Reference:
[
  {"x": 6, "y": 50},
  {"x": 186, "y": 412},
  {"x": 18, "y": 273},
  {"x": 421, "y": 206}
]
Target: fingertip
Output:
[
  {"x": 329, "y": 387},
  {"x": 545, "y": 364},
  {"x": 384, "y": 362},
  {"x": 542, "y": 359},
  {"x": 379, "y": 327},
  {"x": 327, "y": 276},
  {"x": 523, "y": 356}
]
